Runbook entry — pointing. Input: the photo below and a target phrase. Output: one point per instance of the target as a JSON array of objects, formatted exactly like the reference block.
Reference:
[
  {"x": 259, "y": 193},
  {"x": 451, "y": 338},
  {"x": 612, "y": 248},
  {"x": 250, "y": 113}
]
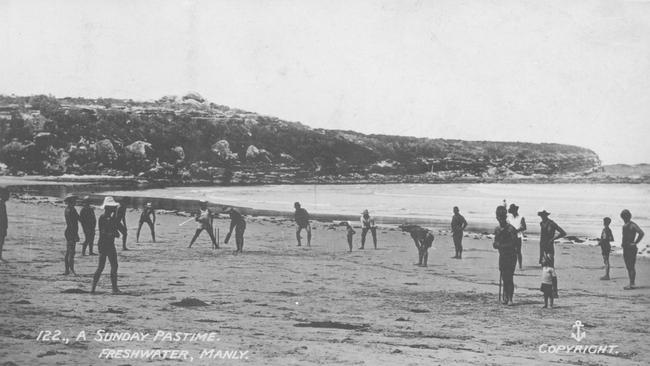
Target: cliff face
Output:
[{"x": 188, "y": 139}]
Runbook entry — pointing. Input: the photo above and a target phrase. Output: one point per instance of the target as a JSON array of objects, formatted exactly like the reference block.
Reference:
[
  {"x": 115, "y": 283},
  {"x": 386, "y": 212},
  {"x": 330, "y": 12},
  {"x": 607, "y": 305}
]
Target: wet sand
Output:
[{"x": 289, "y": 305}]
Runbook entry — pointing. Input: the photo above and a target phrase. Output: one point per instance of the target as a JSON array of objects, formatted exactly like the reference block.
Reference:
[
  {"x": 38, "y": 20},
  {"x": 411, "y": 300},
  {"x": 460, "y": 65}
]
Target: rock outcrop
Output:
[{"x": 187, "y": 138}]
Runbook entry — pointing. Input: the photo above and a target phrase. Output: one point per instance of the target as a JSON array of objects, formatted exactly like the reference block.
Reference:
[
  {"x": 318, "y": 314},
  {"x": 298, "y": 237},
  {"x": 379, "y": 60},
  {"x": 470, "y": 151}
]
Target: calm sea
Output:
[{"x": 578, "y": 208}]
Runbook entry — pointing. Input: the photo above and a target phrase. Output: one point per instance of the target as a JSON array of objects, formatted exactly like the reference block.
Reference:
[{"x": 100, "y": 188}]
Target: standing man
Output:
[
  {"x": 548, "y": 236},
  {"x": 148, "y": 215},
  {"x": 368, "y": 223},
  {"x": 423, "y": 239},
  {"x": 237, "y": 223},
  {"x": 108, "y": 231},
  {"x": 121, "y": 221},
  {"x": 519, "y": 223},
  {"x": 4, "y": 223},
  {"x": 302, "y": 219},
  {"x": 505, "y": 237},
  {"x": 632, "y": 235},
  {"x": 204, "y": 222},
  {"x": 88, "y": 224},
  {"x": 71, "y": 233},
  {"x": 458, "y": 224}
]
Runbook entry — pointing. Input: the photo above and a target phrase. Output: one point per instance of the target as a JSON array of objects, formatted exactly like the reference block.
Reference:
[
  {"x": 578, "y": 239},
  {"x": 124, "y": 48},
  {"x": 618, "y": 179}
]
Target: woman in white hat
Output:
[
  {"x": 108, "y": 231},
  {"x": 71, "y": 233},
  {"x": 148, "y": 215}
]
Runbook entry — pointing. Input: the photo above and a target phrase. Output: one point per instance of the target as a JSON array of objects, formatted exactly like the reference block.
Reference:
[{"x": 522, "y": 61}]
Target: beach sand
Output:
[{"x": 283, "y": 304}]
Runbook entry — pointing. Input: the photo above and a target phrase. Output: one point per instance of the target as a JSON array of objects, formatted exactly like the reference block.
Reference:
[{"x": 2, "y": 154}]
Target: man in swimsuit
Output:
[
  {"x": 423, "y": 239},
  {"x": 88, "y": 224},
  {"x": 505, "y": 238},
  {"x": 4, "y": 223},
  {"x": 606, "y": 238},
  {"x": 108, "y": 231},
  {"x": 238, "y": 224},
  {"x": 148, "y": 215},
  {"x": 302, "y": 219},
  {"x": 632, "y": 235},
  {"x": 458, "y": 224},
  {"x": 204, "y": 222},
  {"x": 368, "y": 224},
  {"x": 71, "y": 233},
  {"x": 547, "y": 235},
  {"x": 121, "y": 220},
  {"x": 519, "y": 223}
]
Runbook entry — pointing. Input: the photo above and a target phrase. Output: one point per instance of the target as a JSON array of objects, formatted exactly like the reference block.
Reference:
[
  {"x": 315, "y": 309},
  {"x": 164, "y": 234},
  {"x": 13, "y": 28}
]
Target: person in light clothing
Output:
[
  {"x": 549, "y": 277},
  {"x": 368, "y": 224},
  {"x": 204, "y": 222},
  {"x": 519, "y": 223}
]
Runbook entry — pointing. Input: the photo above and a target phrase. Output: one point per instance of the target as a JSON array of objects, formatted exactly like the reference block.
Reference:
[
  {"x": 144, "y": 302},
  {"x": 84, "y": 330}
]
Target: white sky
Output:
[{"x": 575, "y": 72}]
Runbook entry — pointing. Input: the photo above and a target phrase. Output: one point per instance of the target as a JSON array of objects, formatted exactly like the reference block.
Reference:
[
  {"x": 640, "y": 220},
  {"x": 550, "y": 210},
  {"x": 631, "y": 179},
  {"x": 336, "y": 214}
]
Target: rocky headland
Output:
[{"x": 187, "y": 140}]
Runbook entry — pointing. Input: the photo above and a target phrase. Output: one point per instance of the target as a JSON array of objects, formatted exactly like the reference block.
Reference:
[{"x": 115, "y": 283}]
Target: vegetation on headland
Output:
[{"x": 188, "y": 139}]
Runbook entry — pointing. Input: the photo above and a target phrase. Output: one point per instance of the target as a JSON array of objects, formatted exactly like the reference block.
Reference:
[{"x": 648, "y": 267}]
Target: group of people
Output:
[{"x": 508, "y": 237}]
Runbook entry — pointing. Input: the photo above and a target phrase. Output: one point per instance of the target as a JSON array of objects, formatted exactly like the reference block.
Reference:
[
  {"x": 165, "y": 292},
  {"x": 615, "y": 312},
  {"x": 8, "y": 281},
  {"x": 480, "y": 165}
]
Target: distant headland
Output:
[{"x": 188, "y": 140}]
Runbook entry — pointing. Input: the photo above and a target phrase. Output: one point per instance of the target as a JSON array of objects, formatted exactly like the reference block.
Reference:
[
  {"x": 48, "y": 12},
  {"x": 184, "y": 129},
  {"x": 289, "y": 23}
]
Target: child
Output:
[
  {"x": 350, "y": 232},
  {"x": 606, "y": 237},
  {"x": 548, "y": 278}
]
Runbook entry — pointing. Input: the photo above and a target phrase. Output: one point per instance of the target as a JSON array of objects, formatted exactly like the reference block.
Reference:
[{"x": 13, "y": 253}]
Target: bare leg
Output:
[
  {"x": 606, "y": 261},
  {"x": 137, "y": 234},
  {"x": 2, "y": 243},
  {"x": 153, "y": 231},
  {"x": 112, "y": 258},
  {"x": 98, "y": 272},
  {"x": 309, "y": 235},
  {"x": 373, "y": 231},
  {"x": 196, "y": 235},
  {"x": 298, "y": 230}
]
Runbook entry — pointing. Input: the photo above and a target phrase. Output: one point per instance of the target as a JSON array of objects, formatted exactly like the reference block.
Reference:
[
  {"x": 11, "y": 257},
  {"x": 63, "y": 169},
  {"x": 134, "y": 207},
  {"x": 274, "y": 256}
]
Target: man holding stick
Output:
[{"x": 505, "y": 238}]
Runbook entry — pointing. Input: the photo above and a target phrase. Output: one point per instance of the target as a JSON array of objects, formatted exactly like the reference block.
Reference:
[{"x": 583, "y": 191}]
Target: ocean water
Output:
[{"x": 578, "y": 208}]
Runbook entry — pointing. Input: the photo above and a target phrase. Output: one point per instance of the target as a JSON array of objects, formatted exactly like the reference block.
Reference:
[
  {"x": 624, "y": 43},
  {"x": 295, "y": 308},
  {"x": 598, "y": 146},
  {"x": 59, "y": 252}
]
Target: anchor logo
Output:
[{"x": 577, "y": 333}]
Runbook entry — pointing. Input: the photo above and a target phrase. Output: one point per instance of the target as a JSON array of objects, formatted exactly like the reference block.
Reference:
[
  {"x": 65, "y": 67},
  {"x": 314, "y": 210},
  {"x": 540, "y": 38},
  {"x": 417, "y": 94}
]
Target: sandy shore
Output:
[{"x": 264, "y": 301}]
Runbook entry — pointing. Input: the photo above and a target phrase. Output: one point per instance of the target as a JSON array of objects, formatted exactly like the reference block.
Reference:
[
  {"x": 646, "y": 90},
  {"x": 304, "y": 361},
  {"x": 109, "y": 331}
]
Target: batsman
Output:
[{"x": 238, "y": 224}]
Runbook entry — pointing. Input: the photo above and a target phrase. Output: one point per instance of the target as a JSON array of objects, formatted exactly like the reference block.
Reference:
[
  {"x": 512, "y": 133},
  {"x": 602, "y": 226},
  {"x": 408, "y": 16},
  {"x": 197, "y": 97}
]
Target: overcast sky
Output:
[{"x": 575, "y": 72}]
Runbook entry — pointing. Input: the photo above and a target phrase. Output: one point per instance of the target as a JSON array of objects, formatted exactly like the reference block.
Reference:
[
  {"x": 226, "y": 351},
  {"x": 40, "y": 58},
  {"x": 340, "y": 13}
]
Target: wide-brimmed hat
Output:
[
  {"x": 109, "y": 202},
  {"x": 365, "y": 212},
  {"x": 69, "y": 198},
  {"x": 542, "y": 212},
  {"x": 513, "y": 207},
  {"x": 148, "y": 204}
]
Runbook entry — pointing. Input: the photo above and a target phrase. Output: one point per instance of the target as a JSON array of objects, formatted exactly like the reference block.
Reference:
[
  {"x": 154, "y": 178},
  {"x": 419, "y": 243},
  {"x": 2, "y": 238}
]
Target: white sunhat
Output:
[{"x": 109, "y": 201}]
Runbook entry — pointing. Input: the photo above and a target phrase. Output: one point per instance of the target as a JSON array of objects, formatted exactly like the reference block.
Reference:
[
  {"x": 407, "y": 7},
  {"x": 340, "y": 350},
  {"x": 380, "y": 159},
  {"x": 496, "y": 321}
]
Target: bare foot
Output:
[
  {"x": 630, "y": 287},
  {"x": 605, "y": 278},
  {"x": 545, "y": 306}
]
